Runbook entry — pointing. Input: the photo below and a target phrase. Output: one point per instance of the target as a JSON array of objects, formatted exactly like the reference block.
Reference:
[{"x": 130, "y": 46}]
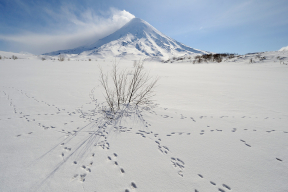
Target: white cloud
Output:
[{"x": 71, "y": 30}]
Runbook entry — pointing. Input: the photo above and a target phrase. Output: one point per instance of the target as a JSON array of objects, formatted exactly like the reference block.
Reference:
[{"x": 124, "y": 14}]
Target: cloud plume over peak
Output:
[{"x": 68, "y": 29}]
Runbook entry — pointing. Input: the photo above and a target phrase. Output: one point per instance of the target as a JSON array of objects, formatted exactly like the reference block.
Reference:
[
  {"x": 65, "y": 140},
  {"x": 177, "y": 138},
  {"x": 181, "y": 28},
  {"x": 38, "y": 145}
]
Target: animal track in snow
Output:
[
  {"x": 226, "y": 186},
  {"x": 144, "y": 134},
  {"x": 75, "y": 176},
  {"x": 178, "y": 164},
  {"x": 133, "y": 185},
  {"x": 103, "y": 144},
  {"x": 82, "y": 177},
  {"x": 163, "y": 150},
  {"x": 212, "y": 183},
  {"x": 245, "y": 143},
  {"x": 192, "y": 119},
  {"x": 200, "y": 175}
]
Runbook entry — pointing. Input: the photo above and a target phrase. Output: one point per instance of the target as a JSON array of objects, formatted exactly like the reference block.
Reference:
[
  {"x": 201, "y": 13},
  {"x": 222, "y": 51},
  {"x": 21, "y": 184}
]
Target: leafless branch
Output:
[{"x": 129, "y": 87}]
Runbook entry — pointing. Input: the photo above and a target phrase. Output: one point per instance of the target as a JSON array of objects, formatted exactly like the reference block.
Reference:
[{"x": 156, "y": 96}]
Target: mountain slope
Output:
[{"x": 138, "y": 38}]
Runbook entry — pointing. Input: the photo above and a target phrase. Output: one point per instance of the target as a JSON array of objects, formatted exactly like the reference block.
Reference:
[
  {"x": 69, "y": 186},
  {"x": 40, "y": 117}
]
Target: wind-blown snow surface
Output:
[
  {"x": 217, "y": 127},
  {"x": 136, "y": 38}
]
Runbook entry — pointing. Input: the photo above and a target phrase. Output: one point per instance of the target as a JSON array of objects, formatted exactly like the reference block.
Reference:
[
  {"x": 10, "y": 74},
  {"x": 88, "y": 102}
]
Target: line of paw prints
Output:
[
  {"x": 50, "y": 105},
  {"x": 245, "y": 143},
  {"x": 225, "y": 186},
  {"x": 202, "y": 132},
  {"x": 19, "y": 135},
  {"x": 176, "y": 162},
  {"x": 179, "y": 165},
  {"x": 122, "y": 129},
  {"x": 29, "y": 119},
  {"x": 144, "y": 134},
  {"x": 35, "y": 99},
  {"x": 86, "y": 169},
  {"x": 104, "y": 144},
  {"x": 211, "y": 117},
  {"x": 219, "y": 130},
  {"x": 100, "y": 136},
  {"x": 112, "y": 160},
  {"x": 154, "y": 137}
]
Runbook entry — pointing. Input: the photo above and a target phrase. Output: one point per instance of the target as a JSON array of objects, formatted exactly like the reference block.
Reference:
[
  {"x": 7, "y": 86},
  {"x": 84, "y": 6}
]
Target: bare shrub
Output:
[
  {"x": 166, "y": 61},
  {"x": 0, "y": 57},
  {"x": 207, "y": 57},
  {"x": 231, "y": 56},
  {"x": 89, "y": 59},
  {"x": 61, "y": 57},
  {"x": 198, "y": 59},
  {"x": 14, "y": 57},
  {"x": 262, "y": 58},
  {"x": 43, "y": 59},
  {"x": 133, "y": 87},
  {"x": 218, "y": 57}
]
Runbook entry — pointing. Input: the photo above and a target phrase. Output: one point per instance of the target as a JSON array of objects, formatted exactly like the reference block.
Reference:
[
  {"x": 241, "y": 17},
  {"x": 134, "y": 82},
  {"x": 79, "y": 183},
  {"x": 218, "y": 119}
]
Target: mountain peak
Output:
[
  {"x": 136, "y": 19},
  {"x": 137, "y": 38},
  {"x": 137, "y": 26}
]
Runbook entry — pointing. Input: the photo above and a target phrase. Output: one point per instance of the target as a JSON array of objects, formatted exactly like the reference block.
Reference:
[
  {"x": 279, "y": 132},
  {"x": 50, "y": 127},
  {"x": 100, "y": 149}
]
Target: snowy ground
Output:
[{"x": 216, "y": 127}]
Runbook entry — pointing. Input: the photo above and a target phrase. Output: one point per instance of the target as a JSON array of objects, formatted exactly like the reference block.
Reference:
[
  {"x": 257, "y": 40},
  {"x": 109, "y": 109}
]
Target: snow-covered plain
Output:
[{"x": 215, "y": 127}]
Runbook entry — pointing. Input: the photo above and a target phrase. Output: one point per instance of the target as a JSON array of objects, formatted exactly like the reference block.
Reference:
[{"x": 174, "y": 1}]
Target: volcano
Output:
[{"x": 136, "y": 38}]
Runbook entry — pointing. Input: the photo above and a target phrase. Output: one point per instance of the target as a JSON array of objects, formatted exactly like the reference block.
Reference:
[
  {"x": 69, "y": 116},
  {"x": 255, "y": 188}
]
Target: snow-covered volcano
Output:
[{"x": 136, "y": 38}]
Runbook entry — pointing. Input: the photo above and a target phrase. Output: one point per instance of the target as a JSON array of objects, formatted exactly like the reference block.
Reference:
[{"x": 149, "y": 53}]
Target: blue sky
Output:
[{"x": 240, "y": 26}]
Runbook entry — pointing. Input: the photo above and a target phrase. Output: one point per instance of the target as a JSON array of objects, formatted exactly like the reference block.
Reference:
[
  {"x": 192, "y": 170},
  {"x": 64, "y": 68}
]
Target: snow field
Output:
[{"x": 215, "y": 127}]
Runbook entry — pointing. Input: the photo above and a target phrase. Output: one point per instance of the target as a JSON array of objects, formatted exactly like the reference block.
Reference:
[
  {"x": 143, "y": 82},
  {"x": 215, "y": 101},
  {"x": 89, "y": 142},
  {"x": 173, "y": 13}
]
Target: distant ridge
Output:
[{"x": 136, "y": 38}]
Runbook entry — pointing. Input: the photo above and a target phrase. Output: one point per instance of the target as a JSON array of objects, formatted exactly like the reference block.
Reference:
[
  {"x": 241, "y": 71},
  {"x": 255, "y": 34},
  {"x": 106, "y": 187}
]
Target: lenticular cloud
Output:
[{"x": 82, "y": 27}]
